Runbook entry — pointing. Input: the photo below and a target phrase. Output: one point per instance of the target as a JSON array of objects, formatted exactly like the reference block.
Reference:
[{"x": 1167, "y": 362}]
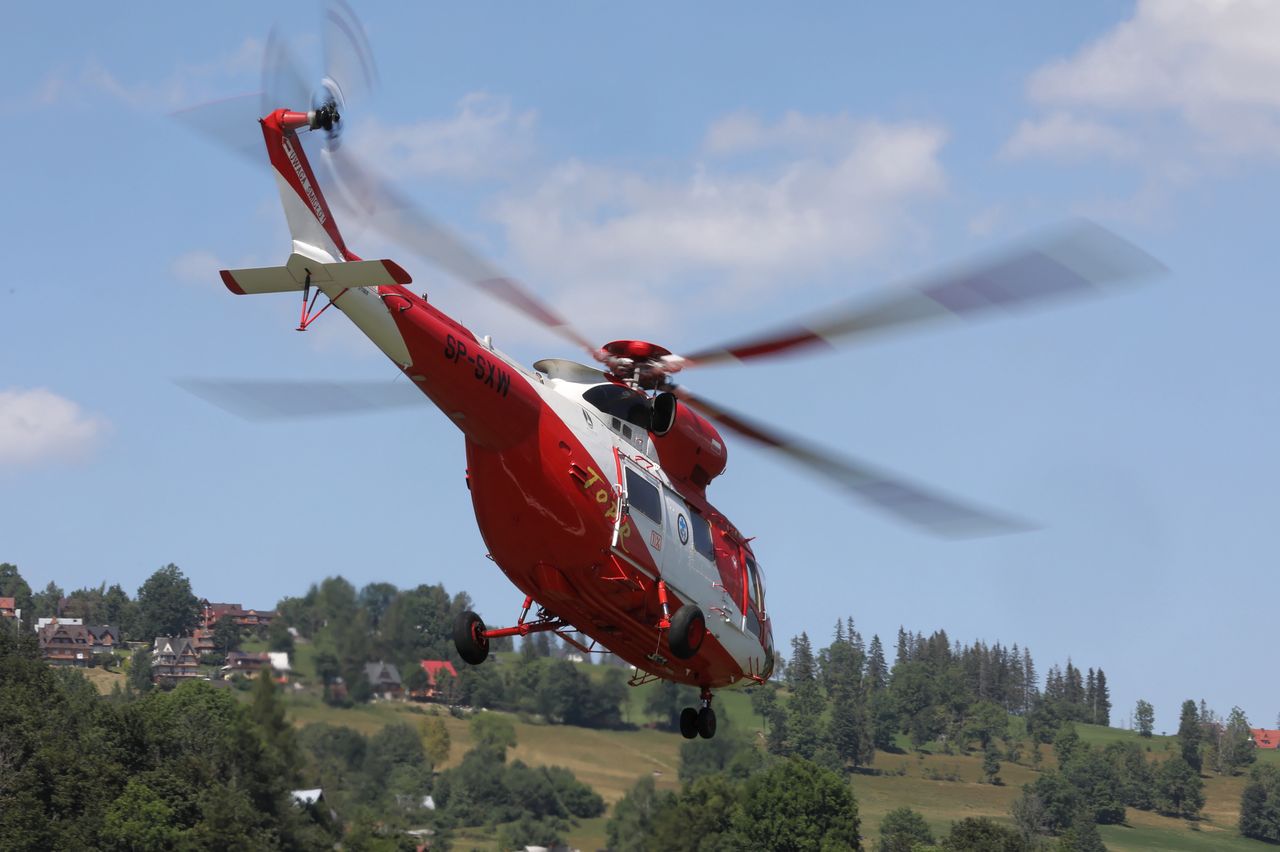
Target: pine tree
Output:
[
  {"x": 1189, "y": 735},
  {"x": 804, "y": 709},
  {"x": 877, "y": 671},
  {"x": 1091, "y": 699},
  {"x": 904, "y": 648},
  {"x": 1030, "y": 680},
  {"x": 1102, "y": 700},
  {"x": 1236, "y": 749}
]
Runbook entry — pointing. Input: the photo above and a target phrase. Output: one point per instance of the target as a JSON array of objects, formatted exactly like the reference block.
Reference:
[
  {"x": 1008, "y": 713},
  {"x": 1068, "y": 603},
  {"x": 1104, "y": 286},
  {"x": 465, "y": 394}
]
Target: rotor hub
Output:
[{"x": 639, "y": 362}]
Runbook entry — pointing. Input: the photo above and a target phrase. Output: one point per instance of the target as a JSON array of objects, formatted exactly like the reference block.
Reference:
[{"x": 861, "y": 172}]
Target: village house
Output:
[
  {"x": 435, "y": 669},
  {"x": 239, "y": 616},
  {"x": 202, "y": 641},
  {"x": 42, "y": 623},
  {"x": 174, "y": 657},
  {"x": 1265, "y": 738},
  {"x": 9, "y": 609},
  {"x": 384, "y": 679},
  {"x": 65, "y": 644},
  {"x": 246, "y": 663},
  {"x": 105, "y": 639}
]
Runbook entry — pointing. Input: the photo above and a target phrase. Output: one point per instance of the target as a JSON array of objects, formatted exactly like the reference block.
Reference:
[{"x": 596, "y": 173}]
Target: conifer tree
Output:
[
  {"x": 904, "y": 648},
  {"x": 1090, "y": 698},
  {"x": 1101, "y": 700},
  {"x": 877, "y": 671},
  {"x": 804, "y": 709},
  {"x": 1189, "y": 734}
]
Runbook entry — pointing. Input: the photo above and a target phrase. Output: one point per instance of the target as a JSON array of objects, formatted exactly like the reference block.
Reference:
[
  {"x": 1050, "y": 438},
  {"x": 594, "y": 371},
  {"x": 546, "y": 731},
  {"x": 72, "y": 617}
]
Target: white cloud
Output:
[
  {"x": 1193, "y": 80},
  {"x": 605, "y": 231},
  {"x": 37, "y": 425},
  {"x": 1066, "y": 136},
  {"x": 187, "y": 85},
  {"x": 484, "y": 137}
]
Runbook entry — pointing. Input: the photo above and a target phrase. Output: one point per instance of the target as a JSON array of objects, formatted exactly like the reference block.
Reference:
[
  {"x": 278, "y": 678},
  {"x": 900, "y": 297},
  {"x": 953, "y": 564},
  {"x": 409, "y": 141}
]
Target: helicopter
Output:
[{"x": 589, "y": 481}]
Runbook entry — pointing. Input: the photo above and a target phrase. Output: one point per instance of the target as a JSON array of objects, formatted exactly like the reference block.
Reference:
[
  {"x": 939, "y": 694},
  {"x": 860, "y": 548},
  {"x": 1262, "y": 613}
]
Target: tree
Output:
[
  {"x": 1144, "y": 716},
  {"x": 902, "y": 830},
  {"x": 1189, "y": 735},
  {"x": 980, "y": 834},
  {"x": 166, "y": 606},
  {"x": 877, "y": 671},
  {"x": 991, "y": 764},
  {"x": 279, "y": 638},
  {"x": 140, "y": 671},
  {"x": 140, "y": 819},
  {"x": 797, "y": 805},
  {"x": 667, "y": 699},
  {"x": 13, "y": 586},
  {"x": 435, "y": 740},
  {"x": 804, "y": 708},
  {"x": 1101, "y": 705},
  {"x": 1260, "y": 805},
  {"x": 1178, "y": 788},
  {"x": 634, "y": 817},
  {"x": 226, "y": 635},
  {"x": 45, "y": 604},
  {"x": 1083, "y": 836},
  {"x": 493, "y": 731},
  {"x": 1236, "y": 748}
]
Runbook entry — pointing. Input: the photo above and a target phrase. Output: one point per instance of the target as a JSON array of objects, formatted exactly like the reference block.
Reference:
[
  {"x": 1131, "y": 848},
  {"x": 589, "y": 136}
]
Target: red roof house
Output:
[
  {"x": 1263, "y": 738},
  {"x": 436, "y": 669}
]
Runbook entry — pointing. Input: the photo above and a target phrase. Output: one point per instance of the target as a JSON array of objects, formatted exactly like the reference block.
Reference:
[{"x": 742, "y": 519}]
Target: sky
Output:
[{"x": 689, "y": 176}]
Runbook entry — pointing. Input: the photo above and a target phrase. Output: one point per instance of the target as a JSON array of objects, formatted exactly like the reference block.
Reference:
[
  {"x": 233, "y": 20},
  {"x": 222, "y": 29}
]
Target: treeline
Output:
[
  {"x": 844, "y": 702},
  {"x": 164, "y": 605},
  {"x": 191, "y": 768}
]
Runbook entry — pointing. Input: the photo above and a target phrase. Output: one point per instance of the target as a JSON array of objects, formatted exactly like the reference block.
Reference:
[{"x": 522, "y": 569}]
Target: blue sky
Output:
[{"x": 686, "y": 176}]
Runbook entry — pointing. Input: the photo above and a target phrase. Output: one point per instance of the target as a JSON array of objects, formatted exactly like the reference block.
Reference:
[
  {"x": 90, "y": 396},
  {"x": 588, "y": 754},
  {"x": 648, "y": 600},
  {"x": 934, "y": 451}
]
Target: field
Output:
[{"x": 612, "y": 761}]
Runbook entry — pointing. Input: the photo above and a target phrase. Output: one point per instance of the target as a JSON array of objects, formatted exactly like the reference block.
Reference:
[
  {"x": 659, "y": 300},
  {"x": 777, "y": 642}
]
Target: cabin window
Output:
[
  {"x": 702, "y": 536},
  {"x": 643, "y": 496}
]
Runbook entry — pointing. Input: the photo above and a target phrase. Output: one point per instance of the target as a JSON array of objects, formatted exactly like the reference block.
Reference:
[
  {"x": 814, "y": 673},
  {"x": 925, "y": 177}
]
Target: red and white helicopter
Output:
[{"x": 589, "y": 482}]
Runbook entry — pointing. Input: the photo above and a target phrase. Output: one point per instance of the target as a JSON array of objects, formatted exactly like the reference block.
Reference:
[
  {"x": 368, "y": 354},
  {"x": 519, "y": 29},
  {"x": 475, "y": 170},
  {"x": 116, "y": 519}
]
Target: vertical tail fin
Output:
[{"x": 311, "y": 223}]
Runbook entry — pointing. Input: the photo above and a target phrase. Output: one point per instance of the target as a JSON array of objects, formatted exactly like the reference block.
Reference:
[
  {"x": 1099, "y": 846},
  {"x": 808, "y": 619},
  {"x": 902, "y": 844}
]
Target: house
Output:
[
  {"x": 202, "y": 641},
  {"x": 9, "y": 609},
  {"x": 241, "y": 617},
  {"x": 435, "y": 670},
  {"x": 1264, "y": 738},
  {"x": 174, "y": 657},
  {"x": 280, "y": 661},
  {"x": 42, "y": 623},
  {"x": 65, "y": 644},
  {"x": 384, "y": 679},
  {"x": 239, "y": 661},
  {"x": 105, "y": 638}
]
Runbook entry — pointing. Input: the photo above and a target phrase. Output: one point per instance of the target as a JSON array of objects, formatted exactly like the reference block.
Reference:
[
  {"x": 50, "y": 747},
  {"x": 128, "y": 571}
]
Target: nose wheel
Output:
[{"x": 699, "y": 721}]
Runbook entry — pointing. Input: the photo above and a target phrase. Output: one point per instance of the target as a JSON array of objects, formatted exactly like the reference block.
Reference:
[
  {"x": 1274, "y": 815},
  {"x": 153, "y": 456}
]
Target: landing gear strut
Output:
[{"x": 699, "y": 721}]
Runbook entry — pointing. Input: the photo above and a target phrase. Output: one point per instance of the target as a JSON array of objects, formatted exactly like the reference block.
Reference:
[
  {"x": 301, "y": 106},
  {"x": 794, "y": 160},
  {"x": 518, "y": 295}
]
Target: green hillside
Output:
[{"x": 612, "y": 761}]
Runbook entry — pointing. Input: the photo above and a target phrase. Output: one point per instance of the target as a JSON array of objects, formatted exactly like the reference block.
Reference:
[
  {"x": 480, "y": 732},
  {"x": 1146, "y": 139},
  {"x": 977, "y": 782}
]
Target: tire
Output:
[
  {"x": 688, "y": 629},
  {"x": 688, "y": 723},
  {"x": 706, "y": 723},
  {"x": 469, "y": 638}
]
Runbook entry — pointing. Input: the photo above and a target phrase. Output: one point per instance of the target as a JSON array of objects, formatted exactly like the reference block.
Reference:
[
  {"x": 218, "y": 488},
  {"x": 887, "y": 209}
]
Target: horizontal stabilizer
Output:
[{"x": 293, "y": 276}]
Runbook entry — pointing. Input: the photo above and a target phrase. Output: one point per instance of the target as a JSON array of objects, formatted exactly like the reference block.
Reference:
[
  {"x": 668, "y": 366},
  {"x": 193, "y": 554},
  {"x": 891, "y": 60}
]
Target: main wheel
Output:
[
  {"x": 688, "y": 723},
  {"x": 688, "y": 629},
  {"x": 469, "y": 638},
  {"x": 706, "y": 723}
]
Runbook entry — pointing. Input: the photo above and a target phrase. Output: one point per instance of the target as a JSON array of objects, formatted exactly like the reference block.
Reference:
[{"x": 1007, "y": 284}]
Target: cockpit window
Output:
[
  {"x": 621, "y": 402},
  {"x": 756, "y": 579}
]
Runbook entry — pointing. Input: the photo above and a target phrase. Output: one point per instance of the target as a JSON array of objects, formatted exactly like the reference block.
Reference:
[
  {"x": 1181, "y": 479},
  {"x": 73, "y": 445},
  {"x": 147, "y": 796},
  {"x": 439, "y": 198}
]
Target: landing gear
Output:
[
  {"x": 688, "y": 629},
  {"x": 688, "y": 723},
  {"x": 470, "y": 638},
  {"x": 699, "y": 721}
]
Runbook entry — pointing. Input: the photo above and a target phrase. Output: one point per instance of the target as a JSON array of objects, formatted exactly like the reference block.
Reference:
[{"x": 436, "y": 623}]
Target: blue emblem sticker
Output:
[{"x": 682, "y": 527}]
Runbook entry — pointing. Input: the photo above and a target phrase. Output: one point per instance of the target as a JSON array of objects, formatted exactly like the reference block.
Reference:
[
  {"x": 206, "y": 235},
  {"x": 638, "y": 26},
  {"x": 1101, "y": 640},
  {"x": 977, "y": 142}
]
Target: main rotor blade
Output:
[
  {"x": 899, "y": 497},
  {"x": 286, "y": 400},
  {"x": 387, "y": 210},
  {"x": 1074, "y": 259}
]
